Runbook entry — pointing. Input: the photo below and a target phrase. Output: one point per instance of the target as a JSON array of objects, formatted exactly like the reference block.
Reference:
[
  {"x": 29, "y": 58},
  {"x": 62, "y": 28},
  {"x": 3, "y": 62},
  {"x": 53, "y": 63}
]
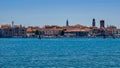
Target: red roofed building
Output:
[
  {"x": 77, "y": 32},
  {"x": 31, "y": 31},
  {"x": 51, "y": 31}
]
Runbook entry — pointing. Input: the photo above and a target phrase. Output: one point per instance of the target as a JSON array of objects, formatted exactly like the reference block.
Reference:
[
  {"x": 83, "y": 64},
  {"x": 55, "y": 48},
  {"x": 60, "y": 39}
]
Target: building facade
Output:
[
  {"x": 0, "y": 32},
  {"x": 51, "y": 31},
  {"x": 19, "y": 31},
  {"x": 77, "y": 33},
  {"x": 8, "y": 31}
]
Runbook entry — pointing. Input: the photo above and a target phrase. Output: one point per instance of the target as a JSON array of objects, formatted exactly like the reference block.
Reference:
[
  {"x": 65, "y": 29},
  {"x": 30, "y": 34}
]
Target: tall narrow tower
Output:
[
  {"x": 12, "y": 23},
  {"x": 12, "y": 28},
  {"x": 102, "y": 24},
  {"x": 93, "y": 22},
  {"x": 67, "y": 23}
]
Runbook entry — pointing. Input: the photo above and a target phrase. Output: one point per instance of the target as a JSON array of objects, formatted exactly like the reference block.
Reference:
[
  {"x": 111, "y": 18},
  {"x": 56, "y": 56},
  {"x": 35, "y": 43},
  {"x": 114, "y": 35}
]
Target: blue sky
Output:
[{"x": 55, "y": 12}]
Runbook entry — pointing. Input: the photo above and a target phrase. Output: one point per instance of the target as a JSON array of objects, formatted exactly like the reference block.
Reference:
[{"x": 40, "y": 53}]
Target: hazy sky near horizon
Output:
[{"x": 56, "y": 12}]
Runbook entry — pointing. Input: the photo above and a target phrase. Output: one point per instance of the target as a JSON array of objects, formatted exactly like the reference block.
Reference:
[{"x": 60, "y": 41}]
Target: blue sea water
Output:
[{"x": 59, "y": 53}]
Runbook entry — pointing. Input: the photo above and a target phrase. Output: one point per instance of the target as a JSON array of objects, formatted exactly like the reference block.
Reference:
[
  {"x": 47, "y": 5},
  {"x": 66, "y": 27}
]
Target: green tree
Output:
[
  {"x": 37, "y": 32},
  {"x": 62, "y": 32}
]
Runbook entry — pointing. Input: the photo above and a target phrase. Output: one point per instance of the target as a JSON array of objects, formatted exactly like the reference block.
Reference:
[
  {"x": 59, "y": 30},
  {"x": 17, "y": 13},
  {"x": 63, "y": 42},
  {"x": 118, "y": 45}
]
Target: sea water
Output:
[{"x": 59, "y": 53}]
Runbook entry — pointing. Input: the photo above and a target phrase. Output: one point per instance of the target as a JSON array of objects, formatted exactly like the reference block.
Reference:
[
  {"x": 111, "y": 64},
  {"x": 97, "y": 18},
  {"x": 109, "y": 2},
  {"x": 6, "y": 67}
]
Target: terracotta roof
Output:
[
  {"x": 52, "y": 28},
  {"x": 6, "y": 26},
  {"x": 78, "y": 30},
  {"x": 31, "y": 30}
]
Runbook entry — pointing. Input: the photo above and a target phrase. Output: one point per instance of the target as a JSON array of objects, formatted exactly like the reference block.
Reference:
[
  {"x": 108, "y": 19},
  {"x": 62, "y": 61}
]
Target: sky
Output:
[{"x": 56, "y": 12}]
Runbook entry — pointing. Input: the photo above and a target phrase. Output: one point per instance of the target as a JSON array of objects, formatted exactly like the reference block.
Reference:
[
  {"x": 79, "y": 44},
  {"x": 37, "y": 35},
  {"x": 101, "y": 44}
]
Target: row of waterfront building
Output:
[{"x": 10, "y": 31}]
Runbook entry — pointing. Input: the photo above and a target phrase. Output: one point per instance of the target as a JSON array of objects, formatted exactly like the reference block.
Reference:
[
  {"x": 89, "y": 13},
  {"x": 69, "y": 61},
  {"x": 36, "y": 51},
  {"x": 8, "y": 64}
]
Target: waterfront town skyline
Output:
[
  {"x": 67, "y": 22},
  {"x": 97, "y": 24},
  {"x": 77, "y": 30}
]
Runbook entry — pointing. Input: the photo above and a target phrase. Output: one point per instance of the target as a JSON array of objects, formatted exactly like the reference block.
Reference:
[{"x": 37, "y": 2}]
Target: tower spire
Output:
[
  {"x": 12, "y": 23},
  {"x": 67, "y": 23},
  {"x": 93, "y": 22}
]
